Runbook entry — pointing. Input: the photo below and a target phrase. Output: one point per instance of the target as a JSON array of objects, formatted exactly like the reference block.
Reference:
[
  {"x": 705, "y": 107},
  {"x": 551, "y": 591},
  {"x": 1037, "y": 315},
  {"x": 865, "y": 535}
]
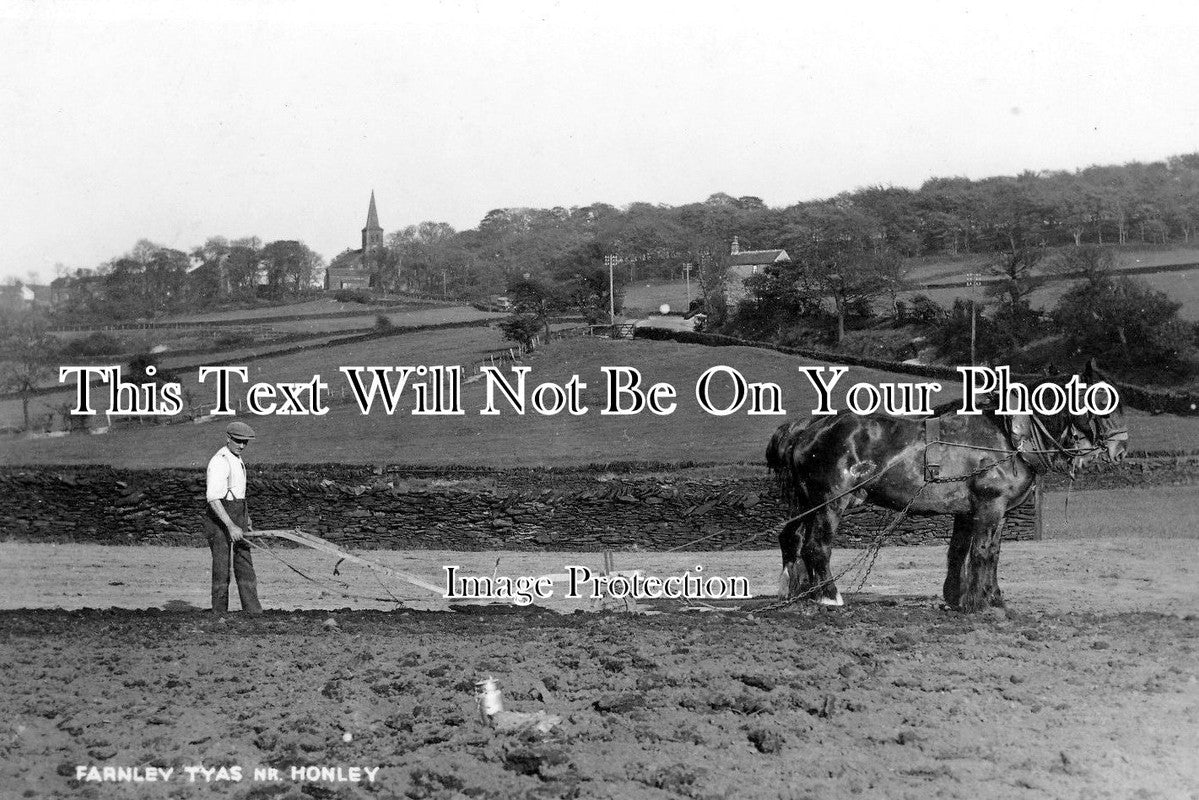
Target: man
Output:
[{"x": 226, "y": 520}]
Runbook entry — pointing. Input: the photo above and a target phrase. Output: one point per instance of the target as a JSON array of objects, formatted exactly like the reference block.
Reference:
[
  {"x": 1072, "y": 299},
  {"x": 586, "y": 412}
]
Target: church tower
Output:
[{"x": 372, "y": 234}]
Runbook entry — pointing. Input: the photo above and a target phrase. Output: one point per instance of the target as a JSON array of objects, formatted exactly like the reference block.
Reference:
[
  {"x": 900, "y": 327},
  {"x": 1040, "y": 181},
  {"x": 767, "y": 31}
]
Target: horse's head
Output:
[{"x": 1107, "y": 433}]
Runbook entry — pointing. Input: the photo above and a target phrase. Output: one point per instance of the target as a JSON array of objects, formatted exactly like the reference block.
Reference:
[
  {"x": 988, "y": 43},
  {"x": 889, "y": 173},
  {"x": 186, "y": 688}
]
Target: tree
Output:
[
  {"x": 949, "y": 214},
  {"x": 521, "y": 328},
  {"x": 712, "y": 274},
  {"x": 426, "y": 253},
  {"x": 841, "y": 257},
  {"x": 534, "y": 301},
  {"x": 165, "y": 276},
  {"x": 774, "y": 306},
  {"x": 582, "y": 276},
  {"x": 951, "y": 334},
  {"x": 1092, "y": 263},
  {"x": 208, "y": 283},
  {"x": 290, "y": 265},
  {"x": 28, "y": 357},
  {"x": 1017, "y": 281},
  {"x": 241, "y": 267},
  {"x": 1126, "y": 325},
  {"x": 125, "y": 288},
  {"x": 1014, "y": 211},
  {"x": 894, "y": 210},
  {"x": 892, "y": 270}
]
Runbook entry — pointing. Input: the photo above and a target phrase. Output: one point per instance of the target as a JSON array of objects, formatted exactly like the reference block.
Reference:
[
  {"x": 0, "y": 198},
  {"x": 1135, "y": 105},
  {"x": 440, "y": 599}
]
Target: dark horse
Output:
[{"x": 975, "y": 467}]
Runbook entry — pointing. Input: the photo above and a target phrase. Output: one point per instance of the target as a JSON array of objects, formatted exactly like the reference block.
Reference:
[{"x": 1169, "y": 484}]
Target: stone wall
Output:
[
  {"x": 697, "y": 508},
  {"x": 1151, "y": 470}
]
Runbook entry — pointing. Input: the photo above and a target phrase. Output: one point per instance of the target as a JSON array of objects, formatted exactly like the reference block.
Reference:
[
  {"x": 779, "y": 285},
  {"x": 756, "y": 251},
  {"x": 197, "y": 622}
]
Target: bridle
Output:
[{"x": 1082, "y": 436}]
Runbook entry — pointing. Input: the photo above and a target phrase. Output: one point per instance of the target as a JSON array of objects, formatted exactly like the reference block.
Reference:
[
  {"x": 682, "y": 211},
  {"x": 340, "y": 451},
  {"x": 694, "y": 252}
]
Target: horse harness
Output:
[{"x": 1029, "y": 438}]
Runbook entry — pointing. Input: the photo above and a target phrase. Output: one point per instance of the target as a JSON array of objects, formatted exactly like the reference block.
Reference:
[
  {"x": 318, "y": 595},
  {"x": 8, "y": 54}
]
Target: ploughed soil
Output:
[
  {"x": 887, "y": 697},
  {"x": 1086, "y": 686}
]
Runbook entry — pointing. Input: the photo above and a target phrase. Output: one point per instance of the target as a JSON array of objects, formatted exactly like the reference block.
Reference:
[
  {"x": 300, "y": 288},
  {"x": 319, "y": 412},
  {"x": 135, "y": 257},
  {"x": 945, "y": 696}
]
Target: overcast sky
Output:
[{"x": 176, "y": 122}]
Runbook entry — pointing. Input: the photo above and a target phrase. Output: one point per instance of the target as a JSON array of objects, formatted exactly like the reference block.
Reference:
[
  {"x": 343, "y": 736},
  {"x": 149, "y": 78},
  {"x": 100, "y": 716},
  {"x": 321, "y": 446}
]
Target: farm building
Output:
[{"x": 744, "y": 263}]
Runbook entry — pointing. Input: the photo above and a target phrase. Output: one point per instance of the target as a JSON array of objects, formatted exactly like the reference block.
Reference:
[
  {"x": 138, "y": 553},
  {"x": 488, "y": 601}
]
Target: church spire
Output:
[
  {"x": 372, "y": 234},
  {"x": 372, "y": 216}
]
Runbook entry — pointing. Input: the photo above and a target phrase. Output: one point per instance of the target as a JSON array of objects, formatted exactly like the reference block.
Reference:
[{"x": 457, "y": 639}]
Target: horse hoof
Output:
[{"x": 832, "y": 601}]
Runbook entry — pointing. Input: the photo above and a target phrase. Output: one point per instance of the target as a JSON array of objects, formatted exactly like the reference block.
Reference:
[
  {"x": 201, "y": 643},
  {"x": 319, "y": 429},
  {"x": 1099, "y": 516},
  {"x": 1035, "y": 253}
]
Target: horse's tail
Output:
[
  {"x": 778, "y": 457},
  {"x": 780, "y": 443}
]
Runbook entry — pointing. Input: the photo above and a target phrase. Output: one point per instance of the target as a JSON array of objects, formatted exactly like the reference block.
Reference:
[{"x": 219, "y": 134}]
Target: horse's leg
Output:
[
  {"x": 982, "y": 587},
  {"x": 996, "y": 592},
  {"x": 959, "y": 548},
  {"x": 791, "y": 581},
  {"x": 817, "y": 554}
]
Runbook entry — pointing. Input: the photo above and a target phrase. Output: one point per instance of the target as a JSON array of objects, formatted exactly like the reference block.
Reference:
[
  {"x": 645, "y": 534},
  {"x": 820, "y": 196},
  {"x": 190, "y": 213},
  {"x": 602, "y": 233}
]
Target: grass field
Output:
[
  {"x": 941, "y": 268},
  {"x": 422, "y": 316},
  {"x": 265, "y": 326},
  {"x": 644, "y": 297},
  {"x": 269, "y": 337},
  {"x": 508, "y": 439},
  {"x": 1182, "y": 287},
  {"x": 325, "y": 305}
]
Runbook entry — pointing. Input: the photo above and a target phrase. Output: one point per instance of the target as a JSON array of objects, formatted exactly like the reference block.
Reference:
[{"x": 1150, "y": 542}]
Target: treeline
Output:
[
  {"x": 151, "y": 280},
  {"x": 1149, "y": 203}
]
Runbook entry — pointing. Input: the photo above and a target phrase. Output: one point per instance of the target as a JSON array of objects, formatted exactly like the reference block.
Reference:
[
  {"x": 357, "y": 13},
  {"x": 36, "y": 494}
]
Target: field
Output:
[
  {"x": 315, "y": 330},
  {"x": 325, "y": 305},
  {"x": 345, "y": 434},
  {"x": 1181, "y": 286},
  {"x": 644, "y": 297},
  {"x": 1086, "y": 687}
]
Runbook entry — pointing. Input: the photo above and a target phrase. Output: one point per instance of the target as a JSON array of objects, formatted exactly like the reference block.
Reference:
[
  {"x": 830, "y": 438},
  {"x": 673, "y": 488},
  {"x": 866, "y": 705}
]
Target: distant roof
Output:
[
  {"x": 349, "y": 261},
  {"x": 752, "y": 257}
]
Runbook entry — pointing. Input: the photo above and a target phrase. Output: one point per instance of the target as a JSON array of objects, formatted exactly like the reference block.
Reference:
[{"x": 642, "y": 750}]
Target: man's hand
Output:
[{"x": 235, "y": 533}]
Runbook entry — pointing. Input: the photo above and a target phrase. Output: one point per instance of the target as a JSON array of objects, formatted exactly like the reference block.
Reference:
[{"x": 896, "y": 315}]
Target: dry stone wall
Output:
[{"x": 694, "y": 508}]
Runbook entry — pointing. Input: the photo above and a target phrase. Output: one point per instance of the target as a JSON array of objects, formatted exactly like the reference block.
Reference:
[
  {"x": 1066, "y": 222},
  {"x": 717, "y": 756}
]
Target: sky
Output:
[{"x": 175, "y": 122}]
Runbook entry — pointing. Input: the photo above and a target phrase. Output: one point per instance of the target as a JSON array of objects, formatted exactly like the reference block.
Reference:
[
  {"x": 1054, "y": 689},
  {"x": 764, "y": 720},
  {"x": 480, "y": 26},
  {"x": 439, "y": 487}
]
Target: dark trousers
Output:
[{"x": 243, "y": 565}]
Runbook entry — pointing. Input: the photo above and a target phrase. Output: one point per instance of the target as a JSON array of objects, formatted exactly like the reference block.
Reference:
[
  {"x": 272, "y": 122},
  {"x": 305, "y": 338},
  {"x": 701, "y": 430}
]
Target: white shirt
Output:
[{"x": 226, "y": 477}]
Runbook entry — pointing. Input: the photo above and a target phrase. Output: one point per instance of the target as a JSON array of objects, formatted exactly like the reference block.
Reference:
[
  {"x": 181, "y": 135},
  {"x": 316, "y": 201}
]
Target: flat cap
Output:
[{"x": 239, "y": 430}]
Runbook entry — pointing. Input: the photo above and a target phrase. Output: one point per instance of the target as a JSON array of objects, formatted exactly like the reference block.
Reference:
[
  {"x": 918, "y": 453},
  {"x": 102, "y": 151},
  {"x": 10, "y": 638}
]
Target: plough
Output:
[
  {"x": 322, "y": 545},
  {"x": 317, "y": 543}
]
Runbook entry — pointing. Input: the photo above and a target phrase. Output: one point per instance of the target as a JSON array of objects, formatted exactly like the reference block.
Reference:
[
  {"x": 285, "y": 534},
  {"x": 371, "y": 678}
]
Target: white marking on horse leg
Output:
[
  {"x": 784, "y": 583},
  {"x": 832, "y": 601}
]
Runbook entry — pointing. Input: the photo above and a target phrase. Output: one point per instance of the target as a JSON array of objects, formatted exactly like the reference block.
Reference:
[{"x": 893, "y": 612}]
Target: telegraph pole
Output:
[
  {"x": 611, "y": 262},
  {"x": 687, "y": 274},
  {"x": 973, "y": 279}
]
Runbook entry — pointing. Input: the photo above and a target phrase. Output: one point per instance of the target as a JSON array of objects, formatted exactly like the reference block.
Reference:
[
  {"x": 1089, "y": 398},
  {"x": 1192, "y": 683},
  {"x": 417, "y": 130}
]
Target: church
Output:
[{"x": 360, "y": 269}]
